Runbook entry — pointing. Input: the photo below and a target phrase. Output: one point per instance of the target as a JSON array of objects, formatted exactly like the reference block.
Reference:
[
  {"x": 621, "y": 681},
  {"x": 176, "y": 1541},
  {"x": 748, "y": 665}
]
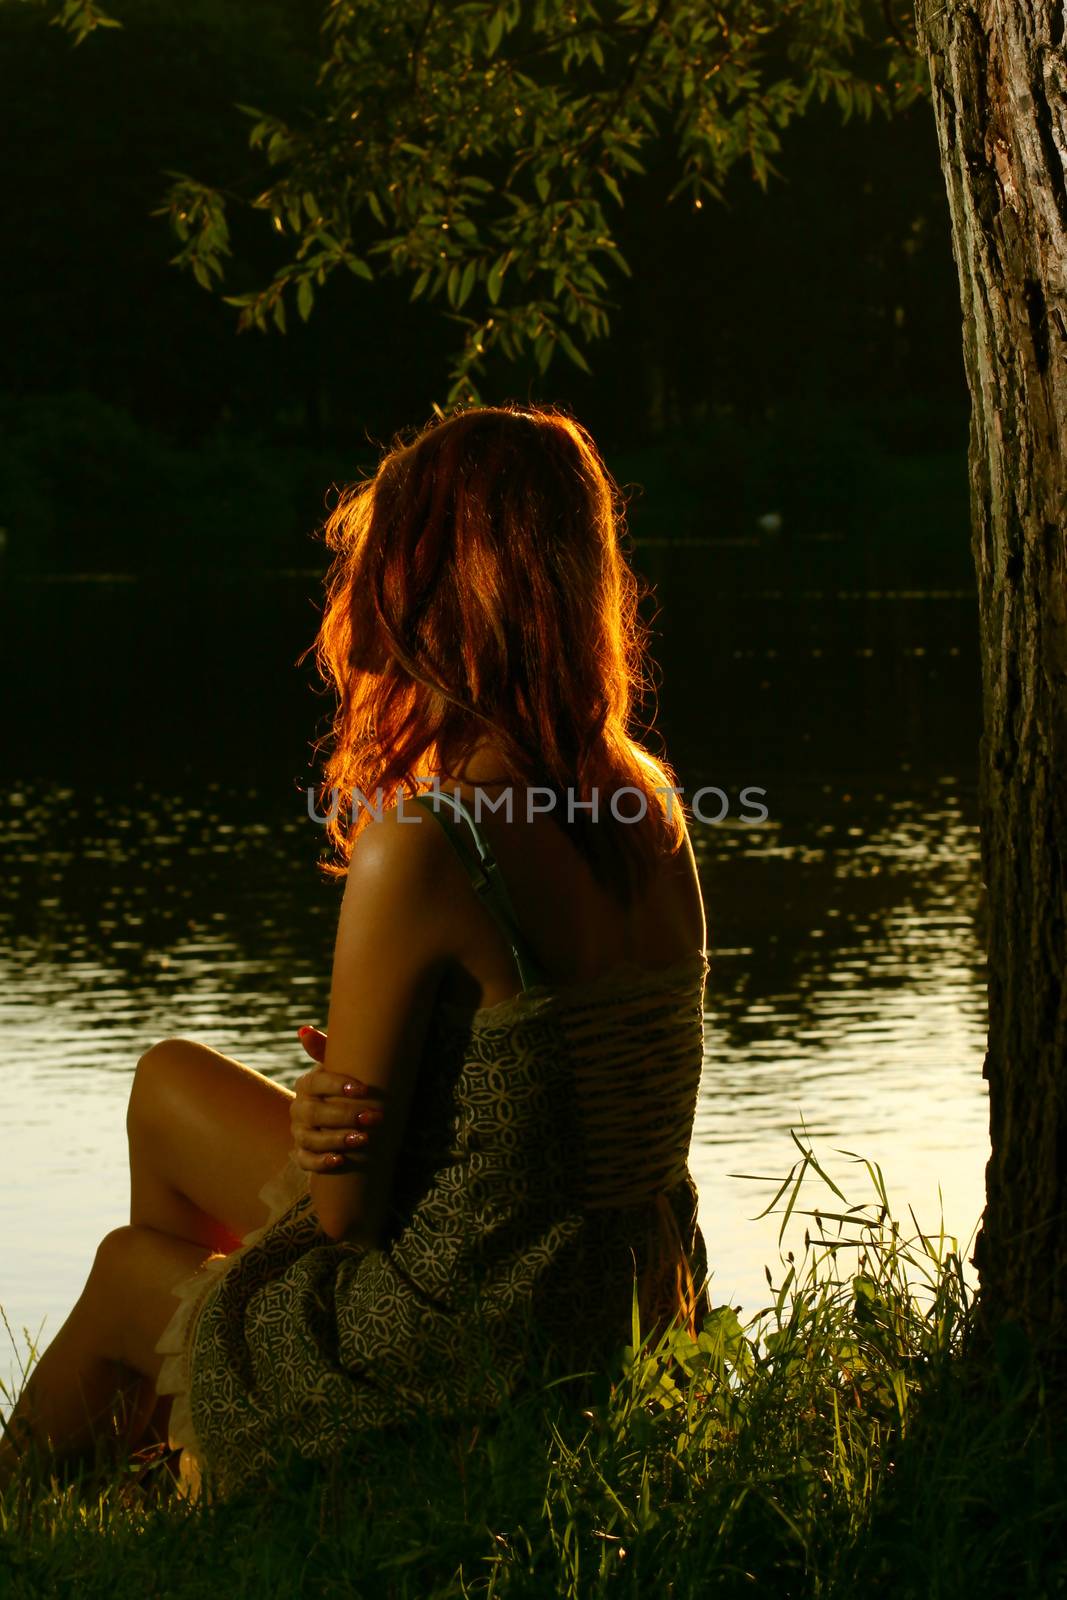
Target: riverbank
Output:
[
  {"x": 839, "y": 1445},
  {"x": 796, "y": 496}
]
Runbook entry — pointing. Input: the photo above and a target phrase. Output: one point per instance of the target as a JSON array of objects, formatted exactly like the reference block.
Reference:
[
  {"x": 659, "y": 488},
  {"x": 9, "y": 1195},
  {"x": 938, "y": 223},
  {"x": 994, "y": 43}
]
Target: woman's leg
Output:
[
  {"x": 96, "y": 1380},
  {"x": 205, "y": 1134}
]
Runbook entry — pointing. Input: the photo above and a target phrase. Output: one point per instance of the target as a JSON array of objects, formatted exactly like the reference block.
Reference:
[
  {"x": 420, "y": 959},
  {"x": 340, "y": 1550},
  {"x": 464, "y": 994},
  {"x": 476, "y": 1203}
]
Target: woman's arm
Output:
[{"x": 389, "y": 956}]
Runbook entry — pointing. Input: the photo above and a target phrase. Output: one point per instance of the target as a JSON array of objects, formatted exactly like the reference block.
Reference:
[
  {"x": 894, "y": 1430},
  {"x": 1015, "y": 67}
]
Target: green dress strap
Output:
[{"x": 484, "y": 873}]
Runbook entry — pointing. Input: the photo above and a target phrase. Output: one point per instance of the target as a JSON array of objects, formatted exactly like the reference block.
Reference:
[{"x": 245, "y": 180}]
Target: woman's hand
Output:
[{"x": 331, "y": 1117}]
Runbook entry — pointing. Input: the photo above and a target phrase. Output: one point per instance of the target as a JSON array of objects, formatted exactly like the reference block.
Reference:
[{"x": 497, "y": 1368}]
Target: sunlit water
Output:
[{"x": 846, "y": 995}]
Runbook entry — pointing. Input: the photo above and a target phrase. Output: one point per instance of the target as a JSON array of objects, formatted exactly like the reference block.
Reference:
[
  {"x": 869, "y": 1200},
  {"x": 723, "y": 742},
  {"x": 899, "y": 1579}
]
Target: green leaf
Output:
[
  {"x": 278, "y": 147},
  {"x": 305, "y": 298},
  {"x": 625, "y": 159},
  {"x": 611, "y": 186},
  {"x": 618, "y": 258},
  {"x": 359, "y": 267},
  {"x": 466, "y": 283},
  {"x": 496, "y": 278},
  {"x": 568, "y": 346},
  {"x": 278, "y": 313}
]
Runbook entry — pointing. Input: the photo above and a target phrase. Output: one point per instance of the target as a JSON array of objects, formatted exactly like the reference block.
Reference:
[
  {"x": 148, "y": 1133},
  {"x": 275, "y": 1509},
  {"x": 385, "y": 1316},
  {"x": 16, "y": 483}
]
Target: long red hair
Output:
[{"x": 479, "y": 591}]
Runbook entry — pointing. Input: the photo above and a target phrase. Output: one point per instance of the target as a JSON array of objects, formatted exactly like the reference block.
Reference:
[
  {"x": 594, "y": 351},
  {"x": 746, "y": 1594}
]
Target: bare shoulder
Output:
[
  {"x": 394, "y": 930},
  {"x": 397, "y": 847}
]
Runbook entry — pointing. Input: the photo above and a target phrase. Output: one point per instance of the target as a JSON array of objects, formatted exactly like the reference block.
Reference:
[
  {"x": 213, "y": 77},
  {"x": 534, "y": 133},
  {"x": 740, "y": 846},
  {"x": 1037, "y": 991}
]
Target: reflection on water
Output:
[
  {"x": 846, "y": 991},
  {"x": 848, "y": 996}
]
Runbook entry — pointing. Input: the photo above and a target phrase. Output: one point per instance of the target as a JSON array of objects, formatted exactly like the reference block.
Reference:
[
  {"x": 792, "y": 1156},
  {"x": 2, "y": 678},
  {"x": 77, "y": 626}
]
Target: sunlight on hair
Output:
[{"x": 479, "y": 593}]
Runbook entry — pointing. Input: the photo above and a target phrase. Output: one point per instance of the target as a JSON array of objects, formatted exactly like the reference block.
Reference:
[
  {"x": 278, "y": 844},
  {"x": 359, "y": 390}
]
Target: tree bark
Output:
[{"x": 999, "y": 74}]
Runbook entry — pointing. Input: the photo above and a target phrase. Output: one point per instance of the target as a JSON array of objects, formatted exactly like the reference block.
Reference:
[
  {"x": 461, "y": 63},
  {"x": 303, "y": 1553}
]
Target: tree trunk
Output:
[{"x": 999, "y": 76}]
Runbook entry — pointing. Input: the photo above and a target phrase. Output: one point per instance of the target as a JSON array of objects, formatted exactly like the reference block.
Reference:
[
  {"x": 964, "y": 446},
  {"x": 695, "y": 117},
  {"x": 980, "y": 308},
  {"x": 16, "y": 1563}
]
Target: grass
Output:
[{"x": 847, "y": 1441}]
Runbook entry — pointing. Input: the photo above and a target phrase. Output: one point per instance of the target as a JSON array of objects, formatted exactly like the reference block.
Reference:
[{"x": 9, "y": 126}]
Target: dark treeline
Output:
[{"x": 795, "y": 351}]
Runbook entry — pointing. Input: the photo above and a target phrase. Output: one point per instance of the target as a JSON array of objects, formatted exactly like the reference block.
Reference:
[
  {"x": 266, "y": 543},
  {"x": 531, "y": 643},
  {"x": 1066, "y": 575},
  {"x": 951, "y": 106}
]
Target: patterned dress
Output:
[{"x": 543, "y": 1174}]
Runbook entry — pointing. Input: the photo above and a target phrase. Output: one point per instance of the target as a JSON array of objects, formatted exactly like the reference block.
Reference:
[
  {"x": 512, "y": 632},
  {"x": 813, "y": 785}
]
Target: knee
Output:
[
  {"x": 162, "y": 1052},
  {"x": 153, "y": 1079},
  {"x": 114, "y": 1256}
]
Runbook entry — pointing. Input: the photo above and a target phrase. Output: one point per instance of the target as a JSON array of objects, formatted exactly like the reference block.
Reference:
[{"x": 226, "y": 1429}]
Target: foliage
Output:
[
  {"x": 477, "y": 149},
  {"x": 834, "y": 1446},
  {"x": 79, "y": 18},
  {"x": 86, "y": 486}
]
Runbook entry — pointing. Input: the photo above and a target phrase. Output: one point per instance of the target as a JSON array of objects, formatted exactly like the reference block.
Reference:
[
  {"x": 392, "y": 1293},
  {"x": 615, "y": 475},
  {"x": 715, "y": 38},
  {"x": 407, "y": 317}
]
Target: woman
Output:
[{"x": 493, "y": 1148}]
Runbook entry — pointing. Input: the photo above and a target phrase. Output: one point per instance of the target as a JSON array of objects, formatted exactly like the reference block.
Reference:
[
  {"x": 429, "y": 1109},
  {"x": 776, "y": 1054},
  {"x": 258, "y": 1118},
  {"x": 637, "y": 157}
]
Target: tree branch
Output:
[
  {"x": 420, "y": 40},
  {"x": 627, "y": 83}
]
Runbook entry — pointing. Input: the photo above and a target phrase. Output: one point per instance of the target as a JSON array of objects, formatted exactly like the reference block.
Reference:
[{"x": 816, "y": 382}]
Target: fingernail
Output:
[
  {"x": 334, "y": 1161},
  {"x": 300, "y": 1032},
  {"x": 351, "y": 1087},
  {"x": 367, "y": 1119},
  {"x": 355, "y": 1138}
]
